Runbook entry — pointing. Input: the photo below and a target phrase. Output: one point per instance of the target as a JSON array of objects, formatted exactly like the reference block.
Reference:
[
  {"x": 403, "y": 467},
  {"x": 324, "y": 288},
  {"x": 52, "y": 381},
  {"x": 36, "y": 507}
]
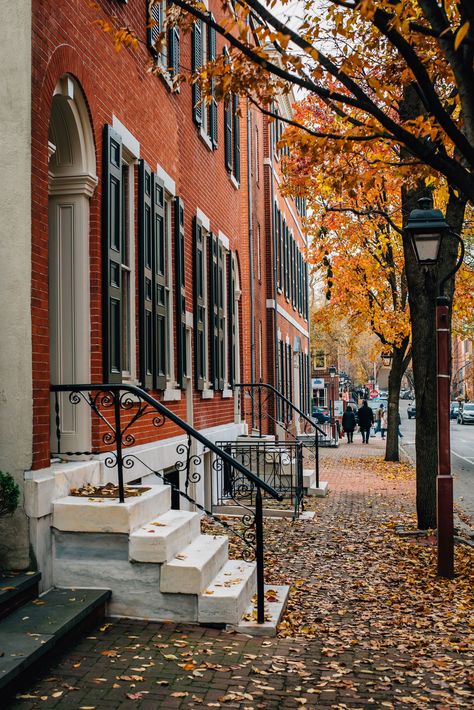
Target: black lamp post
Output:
[
  {"x": 427, "y": 228},
  {"x": 387, "y": 359}
]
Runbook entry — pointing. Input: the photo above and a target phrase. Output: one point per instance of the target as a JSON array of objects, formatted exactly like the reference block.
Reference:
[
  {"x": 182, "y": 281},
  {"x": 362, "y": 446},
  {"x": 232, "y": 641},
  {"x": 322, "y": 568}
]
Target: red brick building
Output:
[{"x": 159, "y": 249}]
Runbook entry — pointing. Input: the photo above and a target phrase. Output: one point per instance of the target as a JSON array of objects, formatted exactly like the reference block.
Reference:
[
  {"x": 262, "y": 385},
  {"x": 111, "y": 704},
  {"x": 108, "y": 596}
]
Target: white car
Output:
[{"x": 466, "y": 413}]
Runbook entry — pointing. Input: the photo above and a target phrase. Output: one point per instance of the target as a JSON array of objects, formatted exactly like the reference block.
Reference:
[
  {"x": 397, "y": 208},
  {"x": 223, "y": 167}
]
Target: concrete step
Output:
[
  {"x": 35, "y": 631},
  {"x": 309, "y": 477},
  {"x": 17, "y": 589},
  {"x": 77, "y": 514},
  {"x": 228, "y": 595},
  {"x": 167, "y": 534},
  {"x": 276, "y": 598},
  {"x": 320, "y": 491},
  {"x": 191, "y": 570}
]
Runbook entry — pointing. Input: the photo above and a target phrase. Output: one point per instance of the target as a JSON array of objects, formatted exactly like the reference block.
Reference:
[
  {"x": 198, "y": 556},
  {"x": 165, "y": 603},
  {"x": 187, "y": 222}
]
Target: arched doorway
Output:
[{"x": 72, "y": 180}]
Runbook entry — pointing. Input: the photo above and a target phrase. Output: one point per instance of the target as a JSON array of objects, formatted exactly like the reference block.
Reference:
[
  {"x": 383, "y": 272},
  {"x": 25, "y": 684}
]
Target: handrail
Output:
[
  {"x": 285, "y": 399},
  {"x": 133, "y": 389}
]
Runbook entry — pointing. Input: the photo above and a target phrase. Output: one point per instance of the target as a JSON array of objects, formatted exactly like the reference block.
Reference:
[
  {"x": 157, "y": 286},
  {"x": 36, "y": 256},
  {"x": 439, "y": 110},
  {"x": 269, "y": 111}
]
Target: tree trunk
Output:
[
  {"x": 394, "y": 383},
  {"x": 423, "y": 289}
]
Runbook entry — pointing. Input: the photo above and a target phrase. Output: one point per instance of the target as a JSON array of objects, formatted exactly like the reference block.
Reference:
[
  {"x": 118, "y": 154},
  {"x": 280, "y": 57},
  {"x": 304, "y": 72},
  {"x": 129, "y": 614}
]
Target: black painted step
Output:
[
  {"x": 40, "y": 627},
  {"x": 17, "y": 588}
]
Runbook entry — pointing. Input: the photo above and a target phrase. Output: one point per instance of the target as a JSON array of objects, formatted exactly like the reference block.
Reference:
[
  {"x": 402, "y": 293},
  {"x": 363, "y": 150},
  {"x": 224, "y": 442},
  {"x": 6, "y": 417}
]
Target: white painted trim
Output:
[
  {"x": 204, "y": 219},
  {"x": 84, "y": 184},
  {"x": 189, "y": 319},
  {"x": 207, "y": 394},
  {"x": 224, "y": 240},
  {"x": 227, "y": 394},
  {"x": 169, "y": 183},
  {"x": 129, "y": 142},
  {"x": 287, "y": 316}
]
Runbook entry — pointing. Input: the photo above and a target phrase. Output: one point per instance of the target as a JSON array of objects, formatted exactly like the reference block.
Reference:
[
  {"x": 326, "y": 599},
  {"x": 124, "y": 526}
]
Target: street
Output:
[{"x": 462, "y": 457}]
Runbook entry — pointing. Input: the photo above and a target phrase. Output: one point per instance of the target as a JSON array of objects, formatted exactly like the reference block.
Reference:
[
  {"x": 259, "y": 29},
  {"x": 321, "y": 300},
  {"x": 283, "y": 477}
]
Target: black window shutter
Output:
[
  {"x": 282, "y": 250},
  {"x": 213, "y": 311},
  {"x": 196, "y": 44},
  {"x": 159, "y": 283},
  {"x": 289, "y": 381},
  {"x": 285, "y": 256},
  {"x": 145, "y": 273},
  {"x": 154, "y": 25},
  {"x": 228, "y": 142},
  {"x": 174, "y": 50},
  {"x": 293, "y": 272},
  {"x": 199, "y": 305},
  {"x": 236, "y": 138},
  {"x": 221, "y": 315},
  {"x": 211, "y": 54},
  {"x": 112, "y": 255},
  {"x": 231, "y": 318},
  {"x": 180, "y": 292}
]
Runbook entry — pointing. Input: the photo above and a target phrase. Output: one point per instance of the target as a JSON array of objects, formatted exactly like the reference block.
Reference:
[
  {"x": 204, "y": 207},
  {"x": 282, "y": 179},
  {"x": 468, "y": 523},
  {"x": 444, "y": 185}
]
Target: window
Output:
[
  {"x": 118, "y": 260},
  {"x": 319, "y": 360},
  {"x": 204, "y": 50},
  {"x": 200, "y": 237},
  {"x": 259, "y": 253},
  {"x": 168, "y": 56},
  {"x": 232, "y": 136}
]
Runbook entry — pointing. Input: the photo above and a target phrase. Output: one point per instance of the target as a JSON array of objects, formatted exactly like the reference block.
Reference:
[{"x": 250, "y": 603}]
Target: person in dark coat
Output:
[
  {"x": 365, "y": 416},
  {"x": 349, "y": 424}
]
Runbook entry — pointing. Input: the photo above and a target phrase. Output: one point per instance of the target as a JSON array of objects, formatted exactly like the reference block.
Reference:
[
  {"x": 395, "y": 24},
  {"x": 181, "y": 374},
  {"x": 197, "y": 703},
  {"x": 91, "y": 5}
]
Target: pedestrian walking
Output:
[
  {"x": 349, "y": 424},
  {"x": 365, "y": 416},
  {"x": 378, "y": 419},
  {"x": 383, "y": 424},
  {"x": 399, "y": 425}
]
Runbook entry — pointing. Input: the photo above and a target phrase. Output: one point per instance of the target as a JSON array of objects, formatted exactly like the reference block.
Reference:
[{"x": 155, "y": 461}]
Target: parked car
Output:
[
  {"x": 454, "y": 410},
  {"x": 375, "y": 403},
  {"x": 466, "y": 413},
  {"x": 383, "y": 394},
  {"x": 406, "y": 394},
  {"x": 320, "y": 415},
  {"x": 411, "y": 411}
]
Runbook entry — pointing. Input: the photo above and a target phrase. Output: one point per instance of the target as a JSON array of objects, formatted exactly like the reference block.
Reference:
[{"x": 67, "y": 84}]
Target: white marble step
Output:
[
  {"x": 77, "y": 514},
  {"x": 167, "y": 534},
  {"x": 309, "y": 478},
  {"x": 193, "y": 568},
  {"x": 228, "y": 595}
]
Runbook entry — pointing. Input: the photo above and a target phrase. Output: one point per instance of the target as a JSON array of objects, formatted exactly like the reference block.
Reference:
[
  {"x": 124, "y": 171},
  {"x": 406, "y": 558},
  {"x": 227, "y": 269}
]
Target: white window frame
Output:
[{"x": 128, "y": 162}]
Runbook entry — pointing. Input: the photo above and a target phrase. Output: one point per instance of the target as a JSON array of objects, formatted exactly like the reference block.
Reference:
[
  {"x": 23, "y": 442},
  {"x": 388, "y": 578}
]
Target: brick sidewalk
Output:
[{"x": 366, "y": 603}]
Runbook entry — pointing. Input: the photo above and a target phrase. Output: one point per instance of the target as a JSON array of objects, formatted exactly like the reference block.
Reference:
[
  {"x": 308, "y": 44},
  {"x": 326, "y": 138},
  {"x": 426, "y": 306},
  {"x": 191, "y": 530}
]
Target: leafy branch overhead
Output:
[{"x": 358, "y": 57}]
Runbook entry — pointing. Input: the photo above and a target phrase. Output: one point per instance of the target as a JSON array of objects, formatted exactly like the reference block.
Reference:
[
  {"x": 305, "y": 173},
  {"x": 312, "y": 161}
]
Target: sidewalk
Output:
[{"x": 368, "y": 623}]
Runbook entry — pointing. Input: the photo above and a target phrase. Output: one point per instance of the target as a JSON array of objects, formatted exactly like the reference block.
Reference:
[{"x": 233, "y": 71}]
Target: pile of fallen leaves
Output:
[
  {"x": 388, "y": 470},
  {"x": 109, "y": 490}
]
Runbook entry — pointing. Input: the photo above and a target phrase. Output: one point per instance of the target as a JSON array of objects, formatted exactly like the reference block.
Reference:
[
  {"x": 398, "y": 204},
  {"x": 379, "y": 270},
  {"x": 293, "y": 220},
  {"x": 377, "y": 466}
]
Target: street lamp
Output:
[
  {"x": 332, "y": 374},
  {"x": 427, "y": 227},
  {"x": 387, "y": 359}
]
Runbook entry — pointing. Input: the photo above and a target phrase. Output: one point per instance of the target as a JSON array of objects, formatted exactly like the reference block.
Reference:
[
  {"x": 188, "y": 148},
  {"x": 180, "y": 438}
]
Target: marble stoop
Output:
[
  {"x": 191, "y": 570},
  {"x": 227, "y": 596},
  {"x": 154, "y": 560},
  {"x": 103, "y": 515},
  {"x": 162, "y": 538}
]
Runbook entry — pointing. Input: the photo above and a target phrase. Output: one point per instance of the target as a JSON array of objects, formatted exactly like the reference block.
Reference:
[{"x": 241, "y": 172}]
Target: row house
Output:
[{"x": 145, "y": 243}]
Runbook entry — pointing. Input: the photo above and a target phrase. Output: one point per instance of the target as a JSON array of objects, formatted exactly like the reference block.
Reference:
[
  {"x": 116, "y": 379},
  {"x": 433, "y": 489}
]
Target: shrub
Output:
[{"x": 9, "y": 494}]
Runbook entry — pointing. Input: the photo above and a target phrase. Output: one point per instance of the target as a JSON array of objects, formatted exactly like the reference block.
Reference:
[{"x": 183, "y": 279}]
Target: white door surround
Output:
[{"x": 72, "y": 180}]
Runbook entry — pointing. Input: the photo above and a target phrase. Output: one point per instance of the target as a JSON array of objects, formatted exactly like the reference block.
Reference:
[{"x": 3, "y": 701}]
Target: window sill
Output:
[
  {"x": 205, "y": 138},
  {"x": 171, "y": 395},
  {"x": 233, "y": 182},
  {"x": 227, "y": 394},
  {"x": 207, "y": 394}
]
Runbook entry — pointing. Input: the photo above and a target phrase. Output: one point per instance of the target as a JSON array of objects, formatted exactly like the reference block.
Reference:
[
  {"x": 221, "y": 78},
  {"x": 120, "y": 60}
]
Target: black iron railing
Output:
[
  {"x": 278, "y": 463},
  {"x": 260, "y": 402},
  {"x": 118, "y": 408}
]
